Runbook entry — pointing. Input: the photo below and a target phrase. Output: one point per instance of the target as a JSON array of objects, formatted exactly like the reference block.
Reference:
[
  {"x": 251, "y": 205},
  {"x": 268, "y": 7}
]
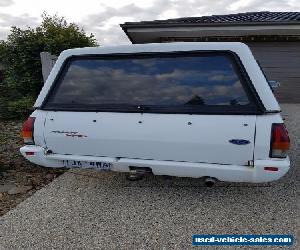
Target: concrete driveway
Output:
[{"x": 84, "y": 209}]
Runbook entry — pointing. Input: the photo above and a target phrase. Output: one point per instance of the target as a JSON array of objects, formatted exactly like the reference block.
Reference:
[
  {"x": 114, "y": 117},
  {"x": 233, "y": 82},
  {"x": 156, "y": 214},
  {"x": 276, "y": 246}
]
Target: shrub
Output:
[
  {"x": 20, "y": 108},
  {"x": 20, "y": 56}
]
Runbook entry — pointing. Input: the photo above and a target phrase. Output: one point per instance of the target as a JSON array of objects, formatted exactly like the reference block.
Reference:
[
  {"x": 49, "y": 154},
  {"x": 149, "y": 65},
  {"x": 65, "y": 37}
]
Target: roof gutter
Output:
[{"x": 127, "y": 25}]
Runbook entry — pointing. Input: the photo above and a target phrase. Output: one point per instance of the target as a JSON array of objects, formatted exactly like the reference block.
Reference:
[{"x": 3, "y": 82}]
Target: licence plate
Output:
[{"x": 87, "y": 164}]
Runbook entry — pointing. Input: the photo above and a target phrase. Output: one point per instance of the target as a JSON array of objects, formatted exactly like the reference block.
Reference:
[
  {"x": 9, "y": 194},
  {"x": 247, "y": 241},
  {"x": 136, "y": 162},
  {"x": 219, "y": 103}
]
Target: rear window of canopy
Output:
[{"x": 174, "y": 82}]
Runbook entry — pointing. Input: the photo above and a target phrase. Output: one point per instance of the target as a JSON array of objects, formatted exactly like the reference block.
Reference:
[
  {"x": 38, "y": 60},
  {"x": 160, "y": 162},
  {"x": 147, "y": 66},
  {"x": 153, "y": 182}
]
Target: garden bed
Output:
[{"x": 19, "y": 178}]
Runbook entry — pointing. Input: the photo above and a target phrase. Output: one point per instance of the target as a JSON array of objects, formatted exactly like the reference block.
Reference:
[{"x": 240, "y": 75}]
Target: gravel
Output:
[
  {"x": 84, "y": 209},
  {"x": 19, "y": 178}
]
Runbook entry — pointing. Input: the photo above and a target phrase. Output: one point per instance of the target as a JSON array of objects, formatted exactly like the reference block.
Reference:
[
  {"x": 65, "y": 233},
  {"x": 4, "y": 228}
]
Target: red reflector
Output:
[
  {"x": 274, "y": 169},
  {"x": 29, "y": 153}
]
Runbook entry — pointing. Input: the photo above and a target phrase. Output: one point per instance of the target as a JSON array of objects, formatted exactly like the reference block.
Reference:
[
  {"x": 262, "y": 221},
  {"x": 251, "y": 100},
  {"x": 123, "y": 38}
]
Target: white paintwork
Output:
[
  {"x": 124, "y": 125},
  {"x": 152, "y": 136},
  {"x": 170, "y": 144},
  {"x": 39, "y": 126},
  {"x": 240, "y": 49},
  {"x": 233, "y": 173}
]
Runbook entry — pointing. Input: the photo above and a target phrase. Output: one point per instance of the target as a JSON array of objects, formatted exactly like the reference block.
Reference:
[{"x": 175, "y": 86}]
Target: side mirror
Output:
[{"x": 274, "y": 84}]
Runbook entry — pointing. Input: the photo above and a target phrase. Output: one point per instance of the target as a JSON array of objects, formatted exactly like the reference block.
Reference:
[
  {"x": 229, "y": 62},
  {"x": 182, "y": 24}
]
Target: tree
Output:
[{"x": 20, "y": 55}]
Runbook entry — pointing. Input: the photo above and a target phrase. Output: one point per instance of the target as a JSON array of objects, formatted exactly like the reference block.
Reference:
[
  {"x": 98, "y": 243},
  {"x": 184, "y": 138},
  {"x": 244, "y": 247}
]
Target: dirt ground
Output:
[{"x": 19, "y": 179}]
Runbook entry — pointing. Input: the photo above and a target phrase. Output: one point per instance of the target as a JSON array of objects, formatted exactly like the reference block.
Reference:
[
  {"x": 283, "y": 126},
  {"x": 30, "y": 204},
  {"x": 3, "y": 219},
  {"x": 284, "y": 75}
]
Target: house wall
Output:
[{"x": 281, "y": 61}]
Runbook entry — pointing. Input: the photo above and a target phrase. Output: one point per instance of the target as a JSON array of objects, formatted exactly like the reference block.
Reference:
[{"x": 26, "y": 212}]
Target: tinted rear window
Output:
[{"x": 195, "y": 81}]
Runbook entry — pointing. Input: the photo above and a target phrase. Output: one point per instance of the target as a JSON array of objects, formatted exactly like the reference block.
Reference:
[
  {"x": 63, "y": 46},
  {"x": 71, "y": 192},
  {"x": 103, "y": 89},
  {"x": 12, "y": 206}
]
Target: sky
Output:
[{"x": 102, "y": 17}]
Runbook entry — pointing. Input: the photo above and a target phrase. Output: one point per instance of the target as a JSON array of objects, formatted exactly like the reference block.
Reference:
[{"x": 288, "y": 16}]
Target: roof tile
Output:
[{"x": 248, "y": 17}]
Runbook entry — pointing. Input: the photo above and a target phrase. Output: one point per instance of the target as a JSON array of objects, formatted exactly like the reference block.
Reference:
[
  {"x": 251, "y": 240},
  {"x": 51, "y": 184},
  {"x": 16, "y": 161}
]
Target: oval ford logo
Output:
[{"x": 239, "y": 142}]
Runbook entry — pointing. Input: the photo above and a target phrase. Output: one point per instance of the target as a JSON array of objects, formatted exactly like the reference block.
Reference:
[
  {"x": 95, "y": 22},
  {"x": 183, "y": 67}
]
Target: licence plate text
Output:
[{"x": 88, "y": 164}]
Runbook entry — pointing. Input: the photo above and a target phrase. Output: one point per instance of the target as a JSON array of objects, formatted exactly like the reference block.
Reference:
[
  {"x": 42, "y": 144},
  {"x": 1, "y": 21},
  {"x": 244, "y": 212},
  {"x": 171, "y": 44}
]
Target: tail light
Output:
[
  {"x": 280, "y": 141},
  {"x": 27, "y": 132}
]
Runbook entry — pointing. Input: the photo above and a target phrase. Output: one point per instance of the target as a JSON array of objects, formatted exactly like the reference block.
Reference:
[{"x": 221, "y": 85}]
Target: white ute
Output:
[{"x": 178, "y": 109}]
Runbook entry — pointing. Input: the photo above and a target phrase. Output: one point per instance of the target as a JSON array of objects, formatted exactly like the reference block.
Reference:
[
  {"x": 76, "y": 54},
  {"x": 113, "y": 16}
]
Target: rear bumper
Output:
[{"x": 232, "y": 173}]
